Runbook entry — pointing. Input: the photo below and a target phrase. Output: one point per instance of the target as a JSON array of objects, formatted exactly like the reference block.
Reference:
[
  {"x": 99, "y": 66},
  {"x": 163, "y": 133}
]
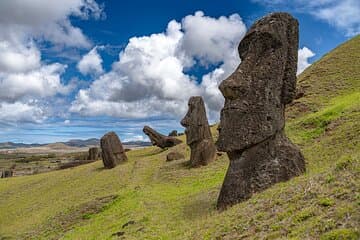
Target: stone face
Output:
[
  {"x": 198, "y": 135},
  {"x": 171, "y": 156},
  {"x": 157, "y": 139},
  {"x": 94, "y": 153},
  {"x": 252, "y": 121},
  {"x": 173, "y": 133},
  {"x": 112, "y": 150}
]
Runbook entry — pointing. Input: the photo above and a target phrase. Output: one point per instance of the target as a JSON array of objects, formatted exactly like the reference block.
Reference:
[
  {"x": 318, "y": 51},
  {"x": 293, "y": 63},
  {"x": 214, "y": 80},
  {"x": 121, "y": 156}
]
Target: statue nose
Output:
[
  {"x": 184, "y": 122},
  {"x": 233, "y": 87}
]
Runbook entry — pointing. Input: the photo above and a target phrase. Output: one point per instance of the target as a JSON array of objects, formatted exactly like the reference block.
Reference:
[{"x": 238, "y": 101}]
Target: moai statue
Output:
[
  {"x": 93, "y": 154},
  {"x": 198, "y": 135},
  {"x": 112, "y": 150},
  {"x": 157, "y": 139},
  {"x": 252, "y": 121}
]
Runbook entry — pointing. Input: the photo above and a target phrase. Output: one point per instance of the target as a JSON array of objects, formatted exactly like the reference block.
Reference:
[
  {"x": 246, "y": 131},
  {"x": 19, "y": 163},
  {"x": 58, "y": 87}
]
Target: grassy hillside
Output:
[{"x": 149, "y": 198}]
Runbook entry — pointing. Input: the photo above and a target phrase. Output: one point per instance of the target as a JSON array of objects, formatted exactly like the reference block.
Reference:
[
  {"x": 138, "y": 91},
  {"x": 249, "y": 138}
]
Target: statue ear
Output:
[{"x": 289, "y": 78}]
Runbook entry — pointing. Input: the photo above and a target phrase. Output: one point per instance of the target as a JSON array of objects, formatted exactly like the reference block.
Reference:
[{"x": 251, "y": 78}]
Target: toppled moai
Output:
[
  {"x": 198, "y": 135},
  {"x": 94, "y": 153},
  {"x": 112, "y": 150},
  {"x": 252, "y": 120},
  {"x": 162, "y": 141}
]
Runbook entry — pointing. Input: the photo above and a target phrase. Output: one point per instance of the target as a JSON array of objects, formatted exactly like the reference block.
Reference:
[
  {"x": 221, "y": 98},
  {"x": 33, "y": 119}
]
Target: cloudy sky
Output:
[{"x": 79, "y": 68}]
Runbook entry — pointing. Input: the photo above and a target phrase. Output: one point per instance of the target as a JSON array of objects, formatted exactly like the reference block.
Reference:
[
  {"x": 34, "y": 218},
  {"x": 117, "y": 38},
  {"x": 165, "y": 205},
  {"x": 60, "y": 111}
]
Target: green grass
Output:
[{"x": 149, "y": 198}]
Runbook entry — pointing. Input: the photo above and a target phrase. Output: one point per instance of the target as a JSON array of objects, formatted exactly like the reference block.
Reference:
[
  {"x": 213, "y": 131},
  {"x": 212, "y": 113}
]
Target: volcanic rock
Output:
[
  {"x": 174, "y": 156},
  {"x": 157, "y": 139},
  {"x": 198, "y": 135},
  {"x": 112, "y": 150},
  {"x": 173, "y": 133},
  {"x": 252, "y": 121},
  {"x": 6, "y": 173},
  {"x": 94, "y": 153}
]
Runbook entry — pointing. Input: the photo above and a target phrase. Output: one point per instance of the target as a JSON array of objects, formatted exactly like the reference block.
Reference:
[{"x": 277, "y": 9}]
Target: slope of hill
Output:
[
  {"x": 149, "y": 198},
  {"x": 12, "y": 145}
]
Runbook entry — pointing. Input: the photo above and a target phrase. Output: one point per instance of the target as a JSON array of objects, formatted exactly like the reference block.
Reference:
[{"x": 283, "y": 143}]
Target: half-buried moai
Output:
[
  {"x": 252, "y": 121},
  {"x": 198, "y": 135},
  {"x": 157, "y": 139},
  {"x": 112, "y": 150}
]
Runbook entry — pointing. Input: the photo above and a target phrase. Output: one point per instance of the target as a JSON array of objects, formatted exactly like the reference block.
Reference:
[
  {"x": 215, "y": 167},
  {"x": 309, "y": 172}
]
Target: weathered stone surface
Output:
[
  {"x": 174, "y": 156},
  {"x": 251, "y": 128},
  {"x": 173, "y": 133},
  {"x": 6, "y": 173},
  {"x": 112, "y": 150},
  {"x": 198, "y": 135},
  {"x": 94, "y": 153},
  {"x": 157, "y": 139}
]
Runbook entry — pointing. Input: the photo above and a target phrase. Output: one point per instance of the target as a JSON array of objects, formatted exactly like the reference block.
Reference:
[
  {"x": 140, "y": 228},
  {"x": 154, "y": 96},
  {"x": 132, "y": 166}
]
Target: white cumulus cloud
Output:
[
  {"x": 16, "y": 57},
  {"x": 21, "y": 112},
  {"x": 25, "y": 80},
  {"x": 91, "y": 63},
  {"x": 303, "y": 59},
  {"x": 151, "y": 77},
  {"x": 40, "y": 82},
  {"x": 153, "y": 74}
]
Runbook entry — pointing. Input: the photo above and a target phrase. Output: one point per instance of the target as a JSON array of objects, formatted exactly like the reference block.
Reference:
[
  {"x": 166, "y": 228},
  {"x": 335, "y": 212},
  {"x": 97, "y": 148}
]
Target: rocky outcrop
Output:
[
  {"x": 94, "y": 154},
  {"x": 252, "y": 121},
  {"x": 198, "y": 135},
  {"x": 112, "y": 150},
  {"x": 171, "y": 156},
  {"x": 157, "y": 139}
]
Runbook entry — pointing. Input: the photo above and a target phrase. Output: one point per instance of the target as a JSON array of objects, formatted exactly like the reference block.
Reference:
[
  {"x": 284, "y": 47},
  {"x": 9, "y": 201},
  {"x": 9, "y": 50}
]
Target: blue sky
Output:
[{"x": 79, "y": 68}]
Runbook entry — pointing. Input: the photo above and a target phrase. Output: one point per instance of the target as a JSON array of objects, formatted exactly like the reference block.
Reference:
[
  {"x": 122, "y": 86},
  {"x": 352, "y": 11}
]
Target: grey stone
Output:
[
  {"x": 94, "y": 153},
  {"x": 157, "y": 139},
  {"x": 6, "y": 173},
  {"x": 173, "y": 133},
  {"x": 112, "y": 150},
  {"x": 252, "y": 121},
  {"x": 171, "y": 156},
  {"x": 198, "y": 135}
]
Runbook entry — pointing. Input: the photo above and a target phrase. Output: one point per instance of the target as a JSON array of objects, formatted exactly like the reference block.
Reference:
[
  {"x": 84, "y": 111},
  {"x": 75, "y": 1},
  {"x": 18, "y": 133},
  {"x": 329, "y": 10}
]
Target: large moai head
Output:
[
  {"x": 112, "y": 150},
  {"x": 195, "y": 121},
  {"x": 256, "y": 93}
]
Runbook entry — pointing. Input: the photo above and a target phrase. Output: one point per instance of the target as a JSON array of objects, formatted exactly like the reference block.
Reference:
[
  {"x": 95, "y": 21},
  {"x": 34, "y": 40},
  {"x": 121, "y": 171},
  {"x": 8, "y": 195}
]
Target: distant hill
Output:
[
  {"x": 11, "y": 145},
  {"x": 71, "y": 143},
  {"x": 82, "y": 143}
]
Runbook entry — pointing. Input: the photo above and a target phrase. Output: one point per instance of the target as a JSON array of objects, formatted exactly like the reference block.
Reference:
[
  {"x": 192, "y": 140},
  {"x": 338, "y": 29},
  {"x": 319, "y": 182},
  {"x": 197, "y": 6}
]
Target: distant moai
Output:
[
  {"x": 112, "y": 150},
  {"x": 252, "y": 121},
  {"x": 173, "y": 133},
  {"x": 198, "y": 135},
  {"x": 7, "y": 173},
  {"x": 157, "y": 139},
  {"x": 93, "y": 154}
]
